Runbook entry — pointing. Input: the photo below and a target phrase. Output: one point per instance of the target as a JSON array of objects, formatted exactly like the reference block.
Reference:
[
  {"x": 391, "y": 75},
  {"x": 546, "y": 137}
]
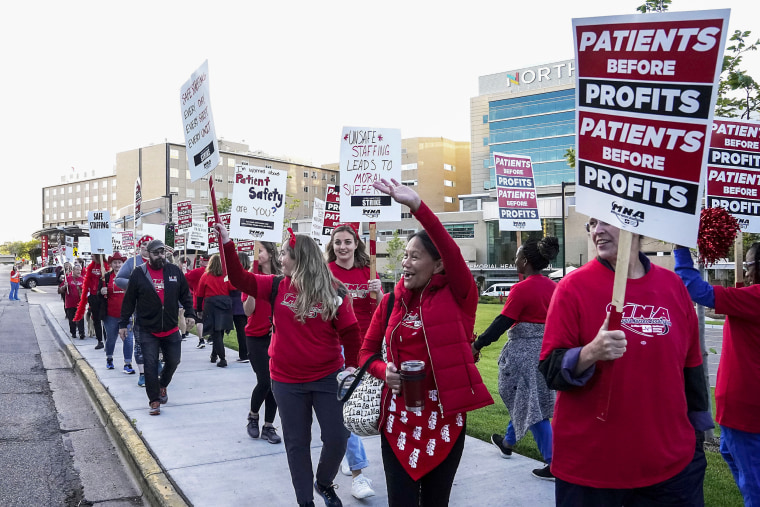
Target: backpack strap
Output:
[{"x": 389, "y": 309}]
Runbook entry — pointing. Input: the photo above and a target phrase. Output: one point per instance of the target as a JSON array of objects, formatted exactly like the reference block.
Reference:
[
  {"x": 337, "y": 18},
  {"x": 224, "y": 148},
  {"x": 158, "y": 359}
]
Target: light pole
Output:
[{"x": 169, "y": 212}]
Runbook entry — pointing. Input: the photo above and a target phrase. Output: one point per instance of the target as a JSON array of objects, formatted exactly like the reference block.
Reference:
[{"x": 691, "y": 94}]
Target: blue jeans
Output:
[
  {"x": 355, "y": 454},
  {"x": 171, "y": 346},
  {"x": 111, "y": 325},
  {"x": 13, "y": 295},
  {"x": 741, "y": 450},
  {"x": 542, "y": 434}
]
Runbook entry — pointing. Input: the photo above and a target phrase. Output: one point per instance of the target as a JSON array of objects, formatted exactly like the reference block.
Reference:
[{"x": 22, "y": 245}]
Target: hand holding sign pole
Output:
[{"x": 219, "y": 221}]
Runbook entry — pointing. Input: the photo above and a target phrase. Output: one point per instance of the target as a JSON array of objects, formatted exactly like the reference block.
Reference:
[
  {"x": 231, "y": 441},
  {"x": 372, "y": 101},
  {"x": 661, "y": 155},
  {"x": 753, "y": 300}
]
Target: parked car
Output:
[
  {"x": 42, "y": 276},
  {"x": 498, "y": 289}
]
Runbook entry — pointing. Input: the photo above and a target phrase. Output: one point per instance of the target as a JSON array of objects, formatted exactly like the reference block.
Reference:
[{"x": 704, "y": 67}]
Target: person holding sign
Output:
[
  {"x": 90, "y": 296},
  {"x": 521, "y": 386},
  {"x": 312, "y": 318},
  {"x": 113, "y": 297},
  {"x": 736, "y": 392},
  {"x": 646, "y": 378},
  {"x": 348, "y": 260},
  {"x": 428, "y": 338},
  {"x": 71, "y": 288}
]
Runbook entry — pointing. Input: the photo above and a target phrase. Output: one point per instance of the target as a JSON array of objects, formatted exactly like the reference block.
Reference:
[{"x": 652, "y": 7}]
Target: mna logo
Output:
[
  {"x": 514, "y": 80},
  {"x": 743, "y": 223},
  {"x": 627, "y": 216},
  {"x": 519, "y": 225}
]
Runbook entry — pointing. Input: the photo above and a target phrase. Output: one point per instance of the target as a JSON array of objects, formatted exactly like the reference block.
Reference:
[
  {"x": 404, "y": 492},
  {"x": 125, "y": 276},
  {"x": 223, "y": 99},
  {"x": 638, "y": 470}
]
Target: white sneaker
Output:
[
  {"x": 361, "y": 487},
  {"x": 344, "y": 469}
]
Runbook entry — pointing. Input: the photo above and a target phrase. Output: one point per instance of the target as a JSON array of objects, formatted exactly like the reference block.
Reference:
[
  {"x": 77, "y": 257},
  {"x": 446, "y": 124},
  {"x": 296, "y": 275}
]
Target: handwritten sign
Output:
[
  {"x": 199, "y": 236},
  {"x": 184, "y": 216},
  {"x": 258, "y": 198},
  {"x": 100, "y": 232},
  {"x": 198, "y": 124},
  {"x": 645, "y": 93},
  {"x": 366, "y": 155},
  {"x": 317, "y": 220},
  {"x": 516, "y": 193},
  {"x": 733, "y": 170}
]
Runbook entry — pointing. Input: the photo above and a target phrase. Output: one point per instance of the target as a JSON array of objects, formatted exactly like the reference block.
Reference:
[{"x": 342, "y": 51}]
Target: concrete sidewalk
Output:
[{"x": 201, "y": 445}]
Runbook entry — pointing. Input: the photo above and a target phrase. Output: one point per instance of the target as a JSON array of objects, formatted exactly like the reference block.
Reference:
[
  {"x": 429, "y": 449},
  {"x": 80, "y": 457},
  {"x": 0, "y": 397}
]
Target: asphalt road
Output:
[{"x": 54, "y": 450}]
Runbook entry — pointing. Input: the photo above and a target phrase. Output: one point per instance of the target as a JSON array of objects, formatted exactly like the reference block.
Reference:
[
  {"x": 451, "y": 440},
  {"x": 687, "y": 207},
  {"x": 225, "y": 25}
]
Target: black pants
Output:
[
  {"x": 297, "y": 402},
  {"x": 240, "y": 321},
  {"x": 258, "y": 354},
  {"x": 73, "y": 326},
  {"x": 217, "y": 347},
  {"x": 95, "y": 312},
  {"x": 432, "y": 490},
  {"x": 171, "y": 347},
  {"x": 683, "y": 489}
]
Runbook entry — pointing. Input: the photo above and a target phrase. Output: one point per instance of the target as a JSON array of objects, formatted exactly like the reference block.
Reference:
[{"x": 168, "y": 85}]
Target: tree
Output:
[
  {"x": 395, "y": 249},
  {"x": 15, "y": 248},
  {"x": 224, "y": 205},
  {"x": 570, "y": 157},
  {"x": 746, "y": 99},
  {"x": 654, "y": 6}
]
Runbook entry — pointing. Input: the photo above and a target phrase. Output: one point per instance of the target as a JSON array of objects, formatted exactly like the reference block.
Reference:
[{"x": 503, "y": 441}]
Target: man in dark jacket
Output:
[{"x": 155, "y": 290}]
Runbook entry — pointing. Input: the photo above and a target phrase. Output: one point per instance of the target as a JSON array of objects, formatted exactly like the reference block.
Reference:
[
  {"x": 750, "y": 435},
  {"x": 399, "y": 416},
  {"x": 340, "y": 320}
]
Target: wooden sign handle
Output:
[
  {"x": 616, "y": 317},
  {"x": 373, "y": 254}
]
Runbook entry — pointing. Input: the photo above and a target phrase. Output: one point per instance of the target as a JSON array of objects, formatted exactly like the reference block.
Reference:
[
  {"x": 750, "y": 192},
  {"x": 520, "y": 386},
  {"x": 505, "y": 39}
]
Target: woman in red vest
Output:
[{"x": 432, "y": 320}]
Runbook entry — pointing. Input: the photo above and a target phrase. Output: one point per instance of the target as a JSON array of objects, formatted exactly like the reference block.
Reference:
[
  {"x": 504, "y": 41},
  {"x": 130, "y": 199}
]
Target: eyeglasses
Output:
[
  {"x": 159, "y": 251},
  {"x": 593, "y": 224},
  {"x": 748, "y": 264}
]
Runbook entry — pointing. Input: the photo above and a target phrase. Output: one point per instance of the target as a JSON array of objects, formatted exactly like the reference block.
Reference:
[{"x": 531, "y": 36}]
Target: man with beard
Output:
[{"x": 155, "y": 290}]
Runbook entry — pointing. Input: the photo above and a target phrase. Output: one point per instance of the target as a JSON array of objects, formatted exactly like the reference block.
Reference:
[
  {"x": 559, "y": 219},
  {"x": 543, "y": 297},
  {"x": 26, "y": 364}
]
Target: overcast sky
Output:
[{"x": 82, "y": 81}]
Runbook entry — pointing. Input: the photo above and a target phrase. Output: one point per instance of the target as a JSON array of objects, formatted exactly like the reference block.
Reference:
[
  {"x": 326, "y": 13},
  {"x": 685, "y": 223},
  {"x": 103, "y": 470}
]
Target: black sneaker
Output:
[
  {"x": 328, "y": 494},
  {"x": 269, "y": 433},
  {"x": 498, "y": 441},
  {"x": 222, "y": 363},
  {"x": 544, "y": 473},
  {"x": 213, "y": 357},
  {"x": 201, "y": 344},
  {"x": 310, "y": 503},
  {"x": 99, "y": 345},
  {"x": 253, "y": 426}
]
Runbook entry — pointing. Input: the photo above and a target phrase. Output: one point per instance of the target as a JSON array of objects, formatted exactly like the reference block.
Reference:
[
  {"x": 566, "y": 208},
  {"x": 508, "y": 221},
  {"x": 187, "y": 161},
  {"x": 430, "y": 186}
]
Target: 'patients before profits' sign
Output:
[
  {"x": 516, "y": 193},
  {"x": 645, "y": 93},
  {"x": 198, "y": 124},
  {"x": 733, "y": 170}
]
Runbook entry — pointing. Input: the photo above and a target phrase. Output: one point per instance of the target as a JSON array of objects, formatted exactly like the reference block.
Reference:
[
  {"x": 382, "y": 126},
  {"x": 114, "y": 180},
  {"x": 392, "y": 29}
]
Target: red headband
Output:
[
  {"x": 292, "y": 240},
  {"x": 352, "y": 225}
]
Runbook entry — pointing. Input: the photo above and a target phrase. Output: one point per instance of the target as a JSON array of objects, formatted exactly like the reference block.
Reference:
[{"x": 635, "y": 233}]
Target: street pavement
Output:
[
  {"x": 54, "y": 449},
  {"x": 201, "y": 444}
]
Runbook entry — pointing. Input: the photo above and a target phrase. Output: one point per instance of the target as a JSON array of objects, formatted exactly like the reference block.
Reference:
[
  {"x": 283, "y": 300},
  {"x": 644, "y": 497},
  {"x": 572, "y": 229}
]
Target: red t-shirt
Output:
[
  {"x": 737, "y": 401},
  {"x": 74, "y": 291},
  {"x": 157, "y": 276},
  {"x": 259, "y": 322},
  {"x": 115, "y": 297},
  {"x": 355, "y": 280},
  {"x": 193, "y": 277},
  {"x": 304, "y": 352},
  {"x": 528, "y": 301},
  {"x": 648, "y": 398},
  {"x": 211, "y": 285}
]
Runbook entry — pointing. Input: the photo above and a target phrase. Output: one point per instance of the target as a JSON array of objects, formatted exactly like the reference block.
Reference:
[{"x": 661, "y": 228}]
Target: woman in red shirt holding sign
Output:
[{"x": 312, "y": 319}]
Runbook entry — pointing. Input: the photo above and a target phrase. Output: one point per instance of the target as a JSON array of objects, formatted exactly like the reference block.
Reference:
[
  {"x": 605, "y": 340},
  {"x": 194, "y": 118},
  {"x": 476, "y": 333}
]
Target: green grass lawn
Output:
[{"x": 720, "y": 488}]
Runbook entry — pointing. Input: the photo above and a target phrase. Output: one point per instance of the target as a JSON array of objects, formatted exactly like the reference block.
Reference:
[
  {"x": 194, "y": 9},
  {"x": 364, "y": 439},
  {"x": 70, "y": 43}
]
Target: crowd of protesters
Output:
[{"x": 580, "y": 381}]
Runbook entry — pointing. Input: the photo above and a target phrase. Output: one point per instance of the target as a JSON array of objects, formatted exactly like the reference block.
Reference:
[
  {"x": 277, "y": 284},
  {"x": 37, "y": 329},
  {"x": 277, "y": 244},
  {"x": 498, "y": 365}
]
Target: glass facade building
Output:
[{"x": 540, "y": 126}]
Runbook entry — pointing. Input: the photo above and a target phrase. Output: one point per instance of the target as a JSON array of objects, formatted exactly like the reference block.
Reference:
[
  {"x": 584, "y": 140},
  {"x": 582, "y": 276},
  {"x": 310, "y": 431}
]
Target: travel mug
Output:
[{"x": 413, "y": 385}]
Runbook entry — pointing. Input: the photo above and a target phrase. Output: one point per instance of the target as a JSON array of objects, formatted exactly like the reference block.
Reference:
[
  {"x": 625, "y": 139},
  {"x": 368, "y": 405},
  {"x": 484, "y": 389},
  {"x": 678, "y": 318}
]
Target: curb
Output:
[{"x": 155, "y": 483}]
